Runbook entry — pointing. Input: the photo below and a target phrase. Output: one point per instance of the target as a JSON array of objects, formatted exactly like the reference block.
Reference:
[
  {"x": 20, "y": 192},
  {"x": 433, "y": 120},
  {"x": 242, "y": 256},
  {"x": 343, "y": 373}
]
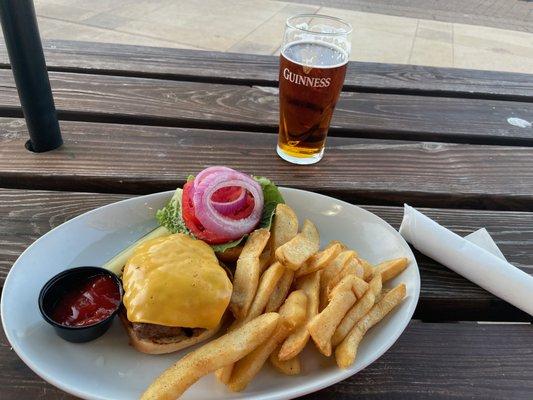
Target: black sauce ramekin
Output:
[{"x": 58, "y": 286}]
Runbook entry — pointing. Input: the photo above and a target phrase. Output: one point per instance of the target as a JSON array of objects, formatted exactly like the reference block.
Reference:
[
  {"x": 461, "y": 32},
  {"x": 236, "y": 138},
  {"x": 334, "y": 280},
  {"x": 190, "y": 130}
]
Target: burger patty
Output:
[{"x": 154, "y": 331}]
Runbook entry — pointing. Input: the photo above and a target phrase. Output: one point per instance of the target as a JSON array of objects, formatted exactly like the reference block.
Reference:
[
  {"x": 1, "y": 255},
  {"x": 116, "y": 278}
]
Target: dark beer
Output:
[{"x": 311, "y": 76}]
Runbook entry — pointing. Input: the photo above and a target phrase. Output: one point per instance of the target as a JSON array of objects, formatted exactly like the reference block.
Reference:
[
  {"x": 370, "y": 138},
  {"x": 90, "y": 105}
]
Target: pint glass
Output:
[{"x": 313, "y": 60}]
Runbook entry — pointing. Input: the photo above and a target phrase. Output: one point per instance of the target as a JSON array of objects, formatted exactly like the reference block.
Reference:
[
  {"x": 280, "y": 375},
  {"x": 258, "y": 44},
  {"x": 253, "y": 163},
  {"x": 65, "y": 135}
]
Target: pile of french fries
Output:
[{"x": 285, "y": 292}]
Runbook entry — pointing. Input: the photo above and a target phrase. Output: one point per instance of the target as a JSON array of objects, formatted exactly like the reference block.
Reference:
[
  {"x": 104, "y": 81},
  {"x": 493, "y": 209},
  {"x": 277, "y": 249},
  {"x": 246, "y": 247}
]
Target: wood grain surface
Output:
[
  {"x": 181, "y": 64},
  {"x": 143, "y": 159},
  {"x": 429, "y": 360},
  {"x": 25, "y": 215},
  {"x": 428, "y": 136},
  {"x": 223, "y": 106}
]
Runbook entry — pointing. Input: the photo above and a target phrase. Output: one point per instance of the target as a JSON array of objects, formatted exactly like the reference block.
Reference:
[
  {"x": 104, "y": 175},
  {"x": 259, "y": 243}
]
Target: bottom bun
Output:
[{"x": 166, "y": 345}]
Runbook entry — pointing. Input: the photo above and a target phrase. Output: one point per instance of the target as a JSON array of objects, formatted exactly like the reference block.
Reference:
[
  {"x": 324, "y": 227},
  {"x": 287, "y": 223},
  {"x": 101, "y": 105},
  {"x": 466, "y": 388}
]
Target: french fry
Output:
[
  {"x": 357, "y": 267},
  {"x": 346, "y": 351},
  {"x": 368, "y": 269},
  {"x": 322, "y": 326},
  {"x": 333, "y": 242},
  {"x": 376, "y": 285},
  {"x": 300, "y": 248},
  {"x": 358, "y": 311},
  {"x": 336, "y": 266},
  {"x": 292, "y": 314},
  {"x": 383, "y": 292},
  {"x": 319, "y": 260},
  {"x": 247, "y": 273},
  {"x": 223, "y": 374},
  {"x": 255, "y": 244},
  {"x": 391, "y": 268},
  {"x": 330, "y": 272},
  {"x": 295, "y": 343},
  {"x": 281, "y": 291},
  {"x": 294, "y": 309},
  {"x": 284, "y": 228},
  {"x": 287, "y": 367},
  {"x": 352, "y": 267},
  {"x": 264, "y": 260},
  {"x": 228, "y": 348},
  {"x": 267, "y": 284},
  {"x": 350, "y": 282}
]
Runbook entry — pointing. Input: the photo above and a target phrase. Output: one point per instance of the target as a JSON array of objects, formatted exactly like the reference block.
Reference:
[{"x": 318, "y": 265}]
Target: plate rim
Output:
[{"x": 313, "y": 386}]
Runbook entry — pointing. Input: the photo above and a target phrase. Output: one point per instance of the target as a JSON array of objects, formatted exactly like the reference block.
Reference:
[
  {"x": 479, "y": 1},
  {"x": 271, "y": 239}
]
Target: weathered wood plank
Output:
[
  {"x": 143, "y": 159},
  {"x": 443, "y": 361},
  {"x": 197, "y": 104},
  {"x": 430, "y": 360},
  {"x": 25, "y": 215},
  {"x": 180, "y": 64}
]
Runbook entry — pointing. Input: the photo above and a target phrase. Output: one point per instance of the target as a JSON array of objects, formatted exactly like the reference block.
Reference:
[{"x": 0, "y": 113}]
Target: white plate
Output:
[{"x": 108, "y": 368}]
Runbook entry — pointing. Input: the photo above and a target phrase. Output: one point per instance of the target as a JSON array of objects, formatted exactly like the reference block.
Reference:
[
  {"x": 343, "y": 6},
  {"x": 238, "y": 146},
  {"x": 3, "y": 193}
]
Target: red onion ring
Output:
[
  {"x": 211, "y": 170},
  {"x": 215, "y": 221},
  {"x": 229, "y": 207}
]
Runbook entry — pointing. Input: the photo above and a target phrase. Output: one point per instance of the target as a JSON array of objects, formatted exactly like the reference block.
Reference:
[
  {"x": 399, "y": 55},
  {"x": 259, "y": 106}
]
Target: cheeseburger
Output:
[{"x": 175, "y": 294}]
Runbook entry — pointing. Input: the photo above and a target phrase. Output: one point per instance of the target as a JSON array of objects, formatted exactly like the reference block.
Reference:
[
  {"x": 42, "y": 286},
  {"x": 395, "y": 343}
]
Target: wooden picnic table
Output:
[{"x": 138, "y": 120}]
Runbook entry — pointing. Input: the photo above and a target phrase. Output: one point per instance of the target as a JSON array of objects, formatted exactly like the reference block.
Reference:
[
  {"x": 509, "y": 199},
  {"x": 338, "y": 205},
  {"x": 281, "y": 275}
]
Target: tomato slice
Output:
[{"x": 187, "y": 207}]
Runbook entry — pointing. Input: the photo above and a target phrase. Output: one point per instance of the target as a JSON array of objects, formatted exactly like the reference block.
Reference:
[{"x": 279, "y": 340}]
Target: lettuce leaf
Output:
[
  {"x": 272, "y": 198},
  {"x": 170, "y": 216},
  {"x": 220, "y": 248}
]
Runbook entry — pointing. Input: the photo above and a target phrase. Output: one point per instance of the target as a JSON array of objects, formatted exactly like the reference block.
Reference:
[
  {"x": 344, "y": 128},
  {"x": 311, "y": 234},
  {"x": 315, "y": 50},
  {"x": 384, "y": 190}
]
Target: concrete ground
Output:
[
  {"x": 256, "y": 26},
  {"x": 506, "y": 14}
]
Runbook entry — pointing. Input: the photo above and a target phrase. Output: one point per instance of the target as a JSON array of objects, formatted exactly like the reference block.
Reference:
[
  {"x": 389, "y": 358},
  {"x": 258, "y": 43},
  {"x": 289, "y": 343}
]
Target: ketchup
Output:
[{"x": 88, "y": 303}]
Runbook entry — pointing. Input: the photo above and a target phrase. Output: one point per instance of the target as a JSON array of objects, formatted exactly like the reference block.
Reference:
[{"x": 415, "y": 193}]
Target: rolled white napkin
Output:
[
  {"x": 485, "y": 267},
  {"x": 482, "y": 238}
]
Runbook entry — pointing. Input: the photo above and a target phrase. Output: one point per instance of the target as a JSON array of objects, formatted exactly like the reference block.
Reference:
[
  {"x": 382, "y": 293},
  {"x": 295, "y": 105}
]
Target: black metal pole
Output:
[{"x": 25, "y": 50}]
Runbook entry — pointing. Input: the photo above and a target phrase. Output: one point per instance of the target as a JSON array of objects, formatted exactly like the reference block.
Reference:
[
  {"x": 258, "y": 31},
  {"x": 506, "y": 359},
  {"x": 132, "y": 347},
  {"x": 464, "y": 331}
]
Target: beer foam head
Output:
[
  {"x": 314, "y": 53},
  {"x": 307, "y": 35}
]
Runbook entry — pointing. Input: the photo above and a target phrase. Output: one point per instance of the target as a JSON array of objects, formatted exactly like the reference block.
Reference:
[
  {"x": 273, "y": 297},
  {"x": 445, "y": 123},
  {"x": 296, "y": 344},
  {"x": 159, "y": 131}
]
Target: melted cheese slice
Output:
[{"x": 176, "y": 281}]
